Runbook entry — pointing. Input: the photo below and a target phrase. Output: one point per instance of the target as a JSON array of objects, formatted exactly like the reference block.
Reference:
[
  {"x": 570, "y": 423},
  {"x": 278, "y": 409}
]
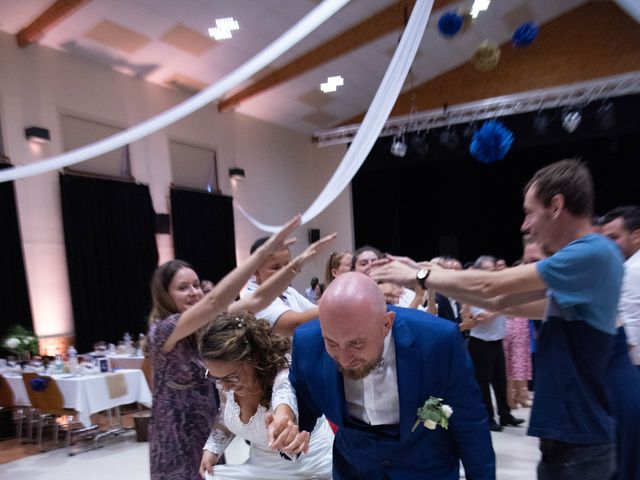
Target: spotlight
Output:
[
  {"x": 419, "y": 144},
  {"x": 398, "y": 146},
  {"x": 571, "y": 120},
  {"x": 449, "y": 138},
  {"x": 470, "y": 129},
  {"x": 541, "y": 123},
  {"x": 236, "y": 173},
  {"x": 606, "y": 115}
]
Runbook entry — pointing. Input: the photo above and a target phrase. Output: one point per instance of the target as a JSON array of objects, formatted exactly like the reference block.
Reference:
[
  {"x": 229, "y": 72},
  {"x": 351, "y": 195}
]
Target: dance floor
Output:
[{"x": 125, "y": 459}]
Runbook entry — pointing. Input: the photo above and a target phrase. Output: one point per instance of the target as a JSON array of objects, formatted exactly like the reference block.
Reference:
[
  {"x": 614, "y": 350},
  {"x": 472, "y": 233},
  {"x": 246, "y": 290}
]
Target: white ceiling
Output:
[{"x": 262, "y": 21}]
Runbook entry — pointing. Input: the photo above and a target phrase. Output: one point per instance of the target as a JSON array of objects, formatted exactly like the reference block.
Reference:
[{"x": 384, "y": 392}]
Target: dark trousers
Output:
[
  {"x": 566, "y": 461},
  {"x": 488, "y": 362}
]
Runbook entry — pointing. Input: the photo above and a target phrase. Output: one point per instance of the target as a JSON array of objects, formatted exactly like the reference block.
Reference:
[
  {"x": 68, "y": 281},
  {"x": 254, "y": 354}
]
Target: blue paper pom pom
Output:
[
  {"x": 524, "y": 35},
  {"x": 39, "y": 384},
  {"x": 491, "y": 142},
  {"x": 450, "y": 23}
]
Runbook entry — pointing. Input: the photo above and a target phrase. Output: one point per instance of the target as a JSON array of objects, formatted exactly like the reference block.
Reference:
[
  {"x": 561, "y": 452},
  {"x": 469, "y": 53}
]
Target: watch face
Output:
[{"x": 421, "y": 277}]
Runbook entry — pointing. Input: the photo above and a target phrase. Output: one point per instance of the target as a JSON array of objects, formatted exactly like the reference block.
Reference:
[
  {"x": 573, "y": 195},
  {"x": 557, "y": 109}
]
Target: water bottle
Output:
[
  {"x": 58, "y": 363},
  {"x": 139, "y": 351},
  {"x": 72, "y": 354},
  {"x": 128, "y": 345}
]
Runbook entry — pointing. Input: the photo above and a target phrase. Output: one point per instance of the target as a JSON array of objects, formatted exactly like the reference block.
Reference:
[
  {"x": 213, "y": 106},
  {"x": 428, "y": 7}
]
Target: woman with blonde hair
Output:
[
  {"x": 248, "y": 362},
  {"x": 338, "y": 263}
]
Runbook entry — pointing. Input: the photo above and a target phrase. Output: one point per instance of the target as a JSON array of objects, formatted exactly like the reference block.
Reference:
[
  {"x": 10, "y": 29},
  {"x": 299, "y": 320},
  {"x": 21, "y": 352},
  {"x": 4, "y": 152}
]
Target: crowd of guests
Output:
[{"x": 221, "y": 365}]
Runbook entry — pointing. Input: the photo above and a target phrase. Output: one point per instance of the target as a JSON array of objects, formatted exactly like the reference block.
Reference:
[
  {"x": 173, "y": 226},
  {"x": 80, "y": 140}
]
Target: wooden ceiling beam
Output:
[
  {"x": 47, "y": 20},
  {"x": 385, "y": 21}
]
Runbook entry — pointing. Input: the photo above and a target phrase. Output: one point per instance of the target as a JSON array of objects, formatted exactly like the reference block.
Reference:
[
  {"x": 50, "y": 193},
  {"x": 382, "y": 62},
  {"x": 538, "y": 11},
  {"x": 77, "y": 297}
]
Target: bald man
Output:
[{"x": 368, "y": 368}]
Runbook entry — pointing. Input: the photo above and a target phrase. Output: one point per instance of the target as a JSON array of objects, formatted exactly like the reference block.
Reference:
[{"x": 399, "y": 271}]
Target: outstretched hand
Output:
[
  {"x": 406, "y": 260},
  {"x": 393, "y": 271},
  {"x": 312, "y": 250},
  {"x": 281, "y": 240}
]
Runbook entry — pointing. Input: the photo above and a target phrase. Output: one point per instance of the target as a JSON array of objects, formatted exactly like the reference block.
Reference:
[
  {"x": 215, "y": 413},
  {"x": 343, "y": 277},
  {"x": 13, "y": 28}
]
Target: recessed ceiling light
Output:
[
  {"x": 332, "y": 84},
  {"x": 223, "y": 28},
  {"x": 479, "y": 6}
]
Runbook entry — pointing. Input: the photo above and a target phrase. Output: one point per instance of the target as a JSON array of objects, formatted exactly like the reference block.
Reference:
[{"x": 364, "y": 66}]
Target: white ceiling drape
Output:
[
  {"x": 375, "y": 118},
  {"x": 306, "y": 25}
]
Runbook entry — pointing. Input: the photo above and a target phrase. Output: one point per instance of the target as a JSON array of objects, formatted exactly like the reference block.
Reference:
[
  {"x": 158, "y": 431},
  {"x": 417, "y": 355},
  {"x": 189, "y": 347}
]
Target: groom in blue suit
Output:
[{"x": 369, "y": 369}]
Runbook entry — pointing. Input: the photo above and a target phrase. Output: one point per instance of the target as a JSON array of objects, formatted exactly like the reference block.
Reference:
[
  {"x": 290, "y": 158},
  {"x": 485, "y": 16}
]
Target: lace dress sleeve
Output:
[
  {"x": 220, "y": 436},
  {"x": 283, "y": 392}
]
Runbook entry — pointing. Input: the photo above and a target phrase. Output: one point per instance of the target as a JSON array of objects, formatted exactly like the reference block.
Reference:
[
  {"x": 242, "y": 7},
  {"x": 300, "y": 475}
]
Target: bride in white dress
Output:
[{"x": 248, "y": 362}]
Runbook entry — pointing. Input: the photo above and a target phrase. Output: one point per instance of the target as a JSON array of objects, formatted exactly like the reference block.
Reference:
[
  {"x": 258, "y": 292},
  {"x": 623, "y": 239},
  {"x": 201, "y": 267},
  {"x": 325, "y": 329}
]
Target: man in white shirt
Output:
[
  {"x": 311, "y": 291},
  {"x": 487, "y": 355},
  {"x": 623, "y": 227},
  {"x": 289, "y": 310}
]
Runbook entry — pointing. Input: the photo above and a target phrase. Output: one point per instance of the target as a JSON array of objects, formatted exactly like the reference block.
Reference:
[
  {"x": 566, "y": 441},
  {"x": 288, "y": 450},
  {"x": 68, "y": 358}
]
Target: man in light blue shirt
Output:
[{"x": 576, "y": 291}]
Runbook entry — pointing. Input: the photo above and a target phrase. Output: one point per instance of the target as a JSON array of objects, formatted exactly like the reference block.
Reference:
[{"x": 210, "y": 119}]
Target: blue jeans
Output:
[{"x": 566, "y": 461}]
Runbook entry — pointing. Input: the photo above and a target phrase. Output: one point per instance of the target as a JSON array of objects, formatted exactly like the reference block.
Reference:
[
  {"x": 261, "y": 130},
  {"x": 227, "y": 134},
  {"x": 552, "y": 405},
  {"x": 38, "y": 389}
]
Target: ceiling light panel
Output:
[
  {"x": 223, "y": 28},
  {"x": 479, "y": 6},
  {"x": 332, "y": 84}
]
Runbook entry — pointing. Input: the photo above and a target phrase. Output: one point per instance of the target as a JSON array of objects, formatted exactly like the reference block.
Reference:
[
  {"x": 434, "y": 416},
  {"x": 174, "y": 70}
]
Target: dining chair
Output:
[
  {"x": 7, "y": 403},
  {"x": 45, "y": 396}
]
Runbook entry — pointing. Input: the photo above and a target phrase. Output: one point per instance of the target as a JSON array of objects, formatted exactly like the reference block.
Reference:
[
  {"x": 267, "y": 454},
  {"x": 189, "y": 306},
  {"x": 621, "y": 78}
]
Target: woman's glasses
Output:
[{"x": 230, "y": 380}]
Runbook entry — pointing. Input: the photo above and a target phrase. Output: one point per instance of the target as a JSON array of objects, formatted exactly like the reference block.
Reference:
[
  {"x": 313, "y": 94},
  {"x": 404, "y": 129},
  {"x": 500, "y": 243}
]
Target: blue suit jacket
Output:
[{"x": 431, "y": 361}]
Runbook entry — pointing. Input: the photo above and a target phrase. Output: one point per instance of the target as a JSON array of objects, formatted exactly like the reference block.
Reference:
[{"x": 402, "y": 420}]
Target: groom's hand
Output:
[
  {"x": 282, "y": 427},
  {"x": 299, "y": 444}
]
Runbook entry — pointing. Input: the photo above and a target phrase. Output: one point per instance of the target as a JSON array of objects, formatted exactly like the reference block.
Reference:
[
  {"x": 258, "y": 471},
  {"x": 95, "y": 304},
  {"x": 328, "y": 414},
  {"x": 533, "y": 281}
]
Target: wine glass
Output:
[
  {"x": 12, "y": 362},
  {"x": 100, "y": 347},
  {"x": 36, "y": 363}
]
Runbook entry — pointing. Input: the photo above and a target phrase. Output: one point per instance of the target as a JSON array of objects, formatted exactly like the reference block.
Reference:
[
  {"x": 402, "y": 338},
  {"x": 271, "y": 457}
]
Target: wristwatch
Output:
[{"x": 421, "y": 277}]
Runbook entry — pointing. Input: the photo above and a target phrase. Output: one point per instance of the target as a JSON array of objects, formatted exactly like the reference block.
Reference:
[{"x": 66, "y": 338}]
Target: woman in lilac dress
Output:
[
  {"x": 184, "y": 401},
  {"x": 517, "y": 355}
]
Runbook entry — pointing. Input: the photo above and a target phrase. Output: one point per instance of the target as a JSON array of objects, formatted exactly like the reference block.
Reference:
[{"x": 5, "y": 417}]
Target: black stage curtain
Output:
[
  {"x": 14, "y": 292},
  {"x": 448, "y": 203},
  {"x": 203, "y": 232},
  {"x": 109, "y": 230}
]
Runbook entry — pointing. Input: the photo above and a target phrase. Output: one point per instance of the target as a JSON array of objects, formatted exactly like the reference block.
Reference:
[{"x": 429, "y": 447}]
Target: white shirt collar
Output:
[{"x": 635, "y": 258}]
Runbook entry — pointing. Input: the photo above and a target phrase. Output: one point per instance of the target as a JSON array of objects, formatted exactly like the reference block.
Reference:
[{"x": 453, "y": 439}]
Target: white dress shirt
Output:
[
  {"x": 629, "y": 307},
  {"x": 374, "y": 399},
  {"x": 290, "y": 299},
  {"x": 489, "y": 330},
  {"x": 406, "y": 298}
]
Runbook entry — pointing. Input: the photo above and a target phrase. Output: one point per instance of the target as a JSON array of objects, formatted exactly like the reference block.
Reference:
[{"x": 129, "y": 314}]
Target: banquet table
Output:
[
  {"x": 123, "y": 360},
  {"x": 89, "y": 393}
]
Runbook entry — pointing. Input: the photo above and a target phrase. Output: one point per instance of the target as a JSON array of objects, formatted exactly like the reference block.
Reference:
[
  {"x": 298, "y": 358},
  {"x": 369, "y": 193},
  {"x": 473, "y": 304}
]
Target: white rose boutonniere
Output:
[{"x": 433, "y": 413}]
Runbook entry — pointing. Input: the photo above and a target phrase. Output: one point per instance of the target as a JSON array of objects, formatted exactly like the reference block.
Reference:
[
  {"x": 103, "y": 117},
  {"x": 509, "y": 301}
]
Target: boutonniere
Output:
[{"x": 433, "y": 413}]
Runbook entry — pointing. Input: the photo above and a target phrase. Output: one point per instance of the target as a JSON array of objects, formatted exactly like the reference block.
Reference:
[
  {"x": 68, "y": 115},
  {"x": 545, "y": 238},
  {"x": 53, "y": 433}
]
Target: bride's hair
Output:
[{"x": 240, "y": 337}]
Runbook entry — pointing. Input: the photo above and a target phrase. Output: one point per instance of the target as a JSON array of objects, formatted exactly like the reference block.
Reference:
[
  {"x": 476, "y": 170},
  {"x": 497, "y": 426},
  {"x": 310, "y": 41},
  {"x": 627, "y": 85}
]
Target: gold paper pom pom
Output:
[
  {"x": 467, "y": 19},
  {"x": 486, "y": 56}
]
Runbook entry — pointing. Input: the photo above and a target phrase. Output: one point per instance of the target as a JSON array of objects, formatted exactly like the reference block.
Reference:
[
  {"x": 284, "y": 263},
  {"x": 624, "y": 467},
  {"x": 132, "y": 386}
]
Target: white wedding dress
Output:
[{"x": 264, "y": 463}]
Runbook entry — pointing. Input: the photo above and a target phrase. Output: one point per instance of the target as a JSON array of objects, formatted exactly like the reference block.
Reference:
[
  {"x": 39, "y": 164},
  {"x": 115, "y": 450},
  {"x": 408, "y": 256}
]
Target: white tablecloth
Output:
[
  {"x": 123, "y": 360},
  {"x": 89, "y": 394}
]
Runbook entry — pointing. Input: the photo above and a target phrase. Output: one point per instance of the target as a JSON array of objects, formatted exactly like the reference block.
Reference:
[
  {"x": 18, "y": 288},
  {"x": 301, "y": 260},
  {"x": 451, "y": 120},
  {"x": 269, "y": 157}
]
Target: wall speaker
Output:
[
  {"x": 314, "y": 235},
  {"x": 163, "y": 223}
]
